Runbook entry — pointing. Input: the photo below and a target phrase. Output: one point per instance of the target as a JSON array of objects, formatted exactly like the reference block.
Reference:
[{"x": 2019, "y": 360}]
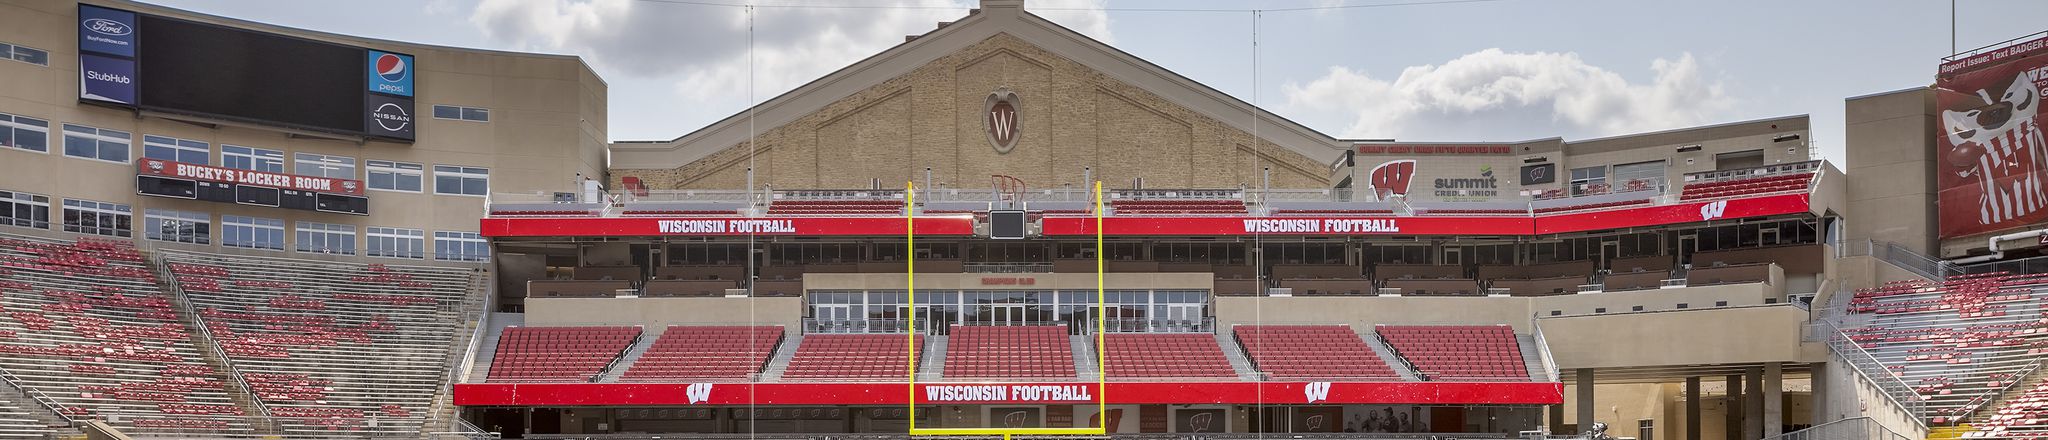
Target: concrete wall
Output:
[
  {"x": 659, "y": 312},
  {"x": 1712, "y": 336},
  {"x": 547, "y": 124},
  {"x": 1891, "y": 168}
]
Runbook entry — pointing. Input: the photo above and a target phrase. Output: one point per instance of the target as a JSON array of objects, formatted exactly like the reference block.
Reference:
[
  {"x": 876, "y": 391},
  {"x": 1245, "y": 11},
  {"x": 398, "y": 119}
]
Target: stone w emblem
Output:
[{"x": 1000, "y": 117}]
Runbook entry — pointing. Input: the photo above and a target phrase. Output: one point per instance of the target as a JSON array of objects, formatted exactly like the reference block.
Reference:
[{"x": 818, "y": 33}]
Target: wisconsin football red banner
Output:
[
  {"x": 697, "y": 226},
  {"x": 1993, "y": 160},
  {"x": 193, "y": 171},
  {"x": 1129, "y": 226},
  {"x": 1298, "y": 393}
]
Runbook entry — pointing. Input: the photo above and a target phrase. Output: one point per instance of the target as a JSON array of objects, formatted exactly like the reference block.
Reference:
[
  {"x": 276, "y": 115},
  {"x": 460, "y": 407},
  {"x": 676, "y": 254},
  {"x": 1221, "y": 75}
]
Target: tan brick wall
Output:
[{"x": 1071, "y": 117}]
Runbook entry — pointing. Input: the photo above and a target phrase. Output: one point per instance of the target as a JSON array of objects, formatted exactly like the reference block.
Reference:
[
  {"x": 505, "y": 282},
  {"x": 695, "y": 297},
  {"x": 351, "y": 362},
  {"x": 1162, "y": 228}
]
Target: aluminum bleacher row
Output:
[
  {"x": 1178, "y": 207},
  {"x": 16, "y": 422},
  {"x": 1311, "y": 352},
  {"x": 558, "y": 354},
  {"x": 851, "y": 356},
  {"x": 1958, "y": 342},
  {"x": 1039, "y": 351},
  {"x": 2022, "y": 415},
  {"x": 836, "y": 207},
  {"x": 86, "y": 325},
  {"x": 1459, "y": 352},
  {"x": 706, "y": 352},
  {"x": 301, "y": 333}
]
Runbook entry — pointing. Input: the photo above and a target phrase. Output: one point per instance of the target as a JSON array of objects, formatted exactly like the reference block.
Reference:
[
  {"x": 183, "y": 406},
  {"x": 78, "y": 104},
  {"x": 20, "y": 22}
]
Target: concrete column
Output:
[
  {"x": 1557, "y": 419},
  {"x": 1753, "y": 403},
  {"x": 1822, "y": 412},
  {"x": 1585, "y": 402},
  {"x": 1731, "y": 411},
  {"x": 1774, "y": 398},
  {"x": 1692, "y": 408}
]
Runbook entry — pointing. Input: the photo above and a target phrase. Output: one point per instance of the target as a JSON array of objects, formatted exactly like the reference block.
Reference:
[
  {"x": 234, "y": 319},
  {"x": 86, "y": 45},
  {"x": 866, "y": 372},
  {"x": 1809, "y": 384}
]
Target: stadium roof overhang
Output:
[
  {"x": 1078, "y": 226},
  {"x": 976, "y": 393}
]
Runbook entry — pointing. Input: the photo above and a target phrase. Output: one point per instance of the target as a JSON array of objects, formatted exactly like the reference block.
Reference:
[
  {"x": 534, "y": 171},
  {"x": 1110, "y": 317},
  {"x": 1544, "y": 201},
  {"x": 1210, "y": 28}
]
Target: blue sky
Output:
[{"x": 1498, "y": 70}]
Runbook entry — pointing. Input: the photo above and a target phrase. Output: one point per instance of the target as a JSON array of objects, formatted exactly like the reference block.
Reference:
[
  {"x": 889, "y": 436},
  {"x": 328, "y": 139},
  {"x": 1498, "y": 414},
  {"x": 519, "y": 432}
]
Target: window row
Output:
[
  {"x": 26, "y": 133},
  {"x": 115, "y": 220},
  {"x": 25, "y": 54}
]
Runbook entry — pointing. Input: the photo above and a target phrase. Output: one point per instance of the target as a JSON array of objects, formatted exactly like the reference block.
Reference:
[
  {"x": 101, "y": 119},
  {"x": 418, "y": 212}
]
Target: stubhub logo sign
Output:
[
  {"x": 106, "y": 31},
  {"x": 106, "y": 79},
  {"x": 390, "y": 73}
]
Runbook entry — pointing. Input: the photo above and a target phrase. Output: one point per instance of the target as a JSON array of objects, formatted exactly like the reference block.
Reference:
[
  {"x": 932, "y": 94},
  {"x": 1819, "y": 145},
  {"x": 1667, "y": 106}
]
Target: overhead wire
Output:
[{"x": 1055, "y": 8}]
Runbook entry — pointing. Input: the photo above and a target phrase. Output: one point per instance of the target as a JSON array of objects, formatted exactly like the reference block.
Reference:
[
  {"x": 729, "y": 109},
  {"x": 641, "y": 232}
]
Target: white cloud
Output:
[
  {"x": 703, "y": 50},
  {"x": 1497, "y": 95}
]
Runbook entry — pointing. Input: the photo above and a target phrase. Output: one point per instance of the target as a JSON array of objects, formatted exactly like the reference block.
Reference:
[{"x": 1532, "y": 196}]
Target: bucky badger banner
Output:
[{"x": 1993, "y": 160}]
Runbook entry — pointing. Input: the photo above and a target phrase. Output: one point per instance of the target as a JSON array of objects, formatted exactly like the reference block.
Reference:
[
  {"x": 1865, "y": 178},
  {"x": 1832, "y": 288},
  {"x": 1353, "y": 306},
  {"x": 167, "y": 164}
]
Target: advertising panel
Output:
[
  {"x": 1991, "y": 153},
  {"x": 106, "y": 79}
]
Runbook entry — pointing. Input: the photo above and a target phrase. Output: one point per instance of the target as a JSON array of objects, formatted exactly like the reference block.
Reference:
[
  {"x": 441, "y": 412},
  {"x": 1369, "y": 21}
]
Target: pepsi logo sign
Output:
[
  {"x": 108, "y": 27},
  {"x": 391, "y": 67}
]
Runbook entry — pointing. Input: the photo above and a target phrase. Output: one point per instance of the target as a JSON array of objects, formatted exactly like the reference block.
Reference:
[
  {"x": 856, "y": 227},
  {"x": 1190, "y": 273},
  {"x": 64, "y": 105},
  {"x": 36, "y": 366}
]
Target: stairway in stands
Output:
[{"x": 1958, "y": 342}]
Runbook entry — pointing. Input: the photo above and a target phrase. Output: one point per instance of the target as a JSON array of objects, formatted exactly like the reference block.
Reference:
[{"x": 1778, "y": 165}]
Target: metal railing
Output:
[
  {"x": 1142, "y": 325},
  {"x": 38, "y": 396},
  {"x": 1006, "y": 267},
  {"x": 857, "y": 326},
  {"x": 1895, "y": 389},
  {"x": 171, "y": 284},
  {"x": 1858, "y": 428},
  {"x": 1753, "y": 172},
  {"x": 1919, "y": 264},
  {"x": 1543, "y": 348}
]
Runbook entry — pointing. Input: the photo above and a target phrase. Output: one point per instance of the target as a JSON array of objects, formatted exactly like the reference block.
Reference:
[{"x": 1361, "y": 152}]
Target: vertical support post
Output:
[
  {"x": 1692, "y": 408},
  {"x": 1753, "y": 402},
  {"x": 1585, "y": 401},
  {"x": 1774, "y": 399},
  {"x": 910, "y": 279},
  {"x": 1731, "y": 409},
  {"x": 1101, "y": 318}
]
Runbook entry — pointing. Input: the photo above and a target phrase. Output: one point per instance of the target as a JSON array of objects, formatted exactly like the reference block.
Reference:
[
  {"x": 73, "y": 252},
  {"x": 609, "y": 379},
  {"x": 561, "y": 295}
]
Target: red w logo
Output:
[{"x": 1392, "y": 177}]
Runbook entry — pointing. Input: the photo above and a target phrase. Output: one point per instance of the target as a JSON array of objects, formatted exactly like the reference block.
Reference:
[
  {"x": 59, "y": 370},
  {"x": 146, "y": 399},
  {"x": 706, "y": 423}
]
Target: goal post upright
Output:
[{"x": 1101, "y": 321}]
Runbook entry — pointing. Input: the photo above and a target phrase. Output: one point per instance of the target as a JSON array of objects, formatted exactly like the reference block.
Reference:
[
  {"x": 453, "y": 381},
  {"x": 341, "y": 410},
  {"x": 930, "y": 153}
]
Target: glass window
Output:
[
  {"x": 252, "y": 232},
  {"x": 397, "y": 242},
  {"x": 462, "y": 113},
  {"x": 97, "y": 218},
  {"x": 25, "y": 210},
  {"x": 1639, "y": 175},
  {"x": 460, "y": 246},
  {"x": 337, "y": 167},
  {"x": 24, "y": 133},
  {"x": 177, "y": 226},
  {"x": 461, "y": 180},
  {"x": 96, "y": 143},
  {"x": 176, "y": 150},
  {"x": 25, "y": 54},
  {"x": 326, "y": 238},
  {"x": 252, "y": 159},
  {"x": 394, "y": 176},
  {"x": 1589, "y": 180}
]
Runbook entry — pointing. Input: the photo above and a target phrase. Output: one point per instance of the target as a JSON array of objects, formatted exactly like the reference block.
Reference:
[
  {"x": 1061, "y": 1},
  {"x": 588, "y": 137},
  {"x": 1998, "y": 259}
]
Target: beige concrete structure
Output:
[
  {"x": 1891, "y": 168},
  {"x": 547, "y": 124}
]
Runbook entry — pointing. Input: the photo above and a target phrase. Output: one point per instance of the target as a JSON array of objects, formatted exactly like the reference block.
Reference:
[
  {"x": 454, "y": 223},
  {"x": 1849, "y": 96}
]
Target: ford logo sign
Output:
[{"x": 108, "y": 27}]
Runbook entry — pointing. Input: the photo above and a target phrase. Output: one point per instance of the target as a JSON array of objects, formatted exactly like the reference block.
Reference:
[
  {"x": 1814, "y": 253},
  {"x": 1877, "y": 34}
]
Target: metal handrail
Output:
[
  {"x": 1543, "y": 347},
  {"x": 38, "y": 396},
  {"x": 2016, "y": 379},
  {"x": 1858, "y": 428},
  {"x": 170, "y": 283},
  {"x": 1895, "y": 389}
]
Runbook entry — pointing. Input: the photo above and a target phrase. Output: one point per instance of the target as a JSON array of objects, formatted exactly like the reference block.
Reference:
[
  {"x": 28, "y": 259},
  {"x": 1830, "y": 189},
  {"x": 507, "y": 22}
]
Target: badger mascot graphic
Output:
[{"x": 1999, "y": 146}]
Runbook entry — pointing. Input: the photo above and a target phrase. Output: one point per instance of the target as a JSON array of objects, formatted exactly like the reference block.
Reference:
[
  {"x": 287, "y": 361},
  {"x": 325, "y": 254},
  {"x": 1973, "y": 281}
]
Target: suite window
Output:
[
  {"x": 1589, "y": 180},
  {"x": 326, "y": 238},
  {"x": 97, "y": 218},
  {"x": 175, "y": 150},
  {"x": 252, "y": 232},
  {"x": 460, "y": 113},
  {"x": 397, "y": 242},
  {"x": 321, "y": 165},
  {"x": 177, "y": 226},
  {"x": 461, "y": 180},
  {"x": 25, "y": 54},
  {"x": 25, "y": 133},
  {"x": 394, "y": 176},
  {"x": 252, "y": 159},
  {"x": 25, "y": 210},
  {"x": 1648, "y": 173},
  {"x": 96, "y": 143},
  {"x": 460, "y": 246}
]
